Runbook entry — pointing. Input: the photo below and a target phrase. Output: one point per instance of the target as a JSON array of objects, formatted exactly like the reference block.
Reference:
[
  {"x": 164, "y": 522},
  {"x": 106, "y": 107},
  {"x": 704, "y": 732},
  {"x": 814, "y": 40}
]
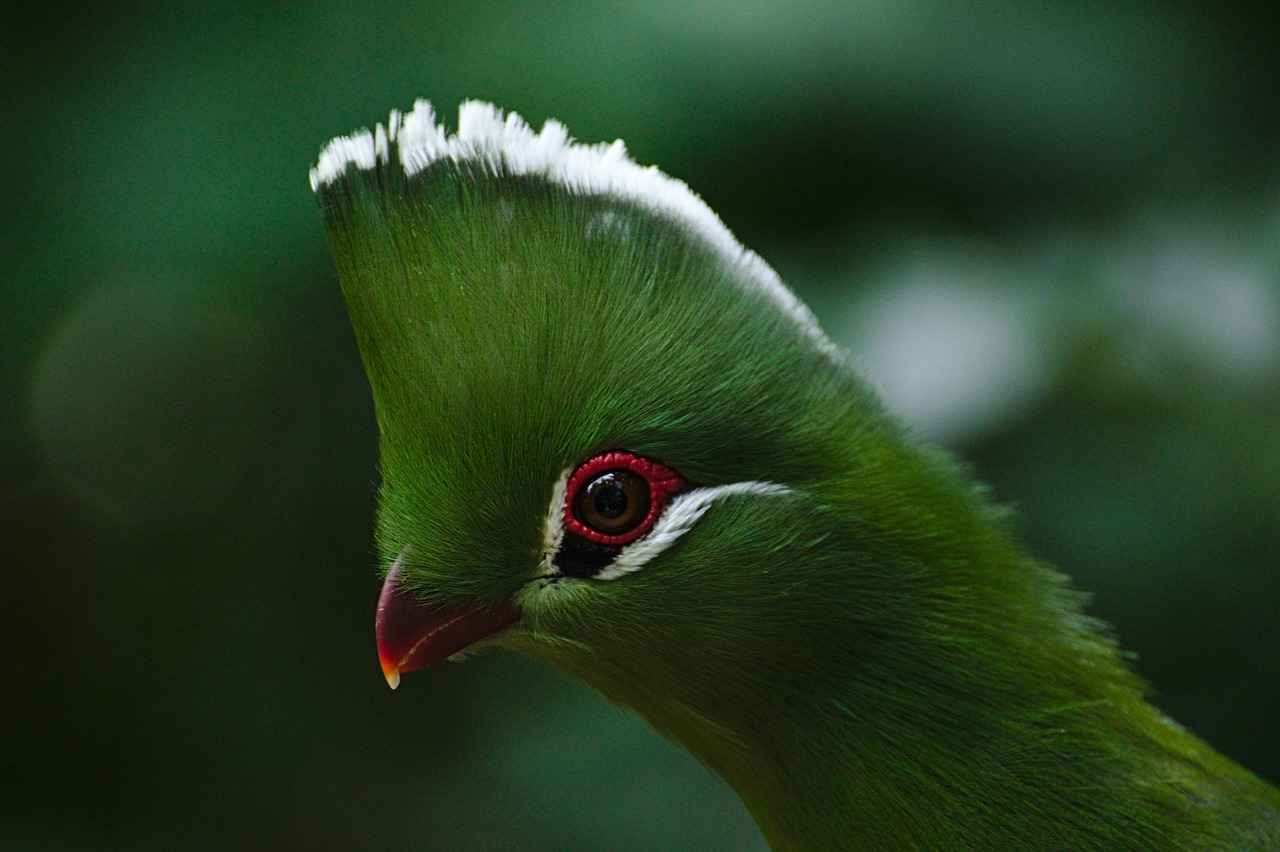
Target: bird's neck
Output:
[
  {"x": 1008, "y": 746},
  {"x": 937, "y": 689}
]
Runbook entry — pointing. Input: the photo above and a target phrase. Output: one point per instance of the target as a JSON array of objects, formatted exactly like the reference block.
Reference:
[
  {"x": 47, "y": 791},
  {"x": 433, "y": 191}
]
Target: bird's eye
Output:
[{"x": 615, "y": 497}]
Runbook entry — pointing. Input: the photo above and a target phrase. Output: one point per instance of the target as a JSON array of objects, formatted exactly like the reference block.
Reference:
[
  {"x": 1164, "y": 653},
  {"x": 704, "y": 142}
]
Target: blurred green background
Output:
[{"x": 1050, "y": 230}]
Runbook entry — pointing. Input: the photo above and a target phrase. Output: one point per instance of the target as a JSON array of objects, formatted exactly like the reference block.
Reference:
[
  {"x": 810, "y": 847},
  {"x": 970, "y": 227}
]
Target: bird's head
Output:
[
  {"x": 607, "y": 429},
  {"x": 611, "y": 439}
]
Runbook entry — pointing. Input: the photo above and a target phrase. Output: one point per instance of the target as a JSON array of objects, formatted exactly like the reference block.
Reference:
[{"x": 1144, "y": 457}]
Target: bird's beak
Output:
[{"x": 412, "y": 635}]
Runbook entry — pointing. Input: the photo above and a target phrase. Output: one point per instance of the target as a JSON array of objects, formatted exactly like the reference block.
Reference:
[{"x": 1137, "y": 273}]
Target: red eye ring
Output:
[{"x": 662, "y": 481}]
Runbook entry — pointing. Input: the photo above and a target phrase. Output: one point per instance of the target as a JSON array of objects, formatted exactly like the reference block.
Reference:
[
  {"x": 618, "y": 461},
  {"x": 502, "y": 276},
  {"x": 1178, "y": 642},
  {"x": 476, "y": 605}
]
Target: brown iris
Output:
[{"x": 613, "y": 503}]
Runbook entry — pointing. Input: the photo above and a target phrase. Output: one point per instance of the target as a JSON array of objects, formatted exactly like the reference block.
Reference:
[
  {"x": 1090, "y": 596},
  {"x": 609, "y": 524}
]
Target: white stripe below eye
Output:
[{"x": 676, "y": 520}]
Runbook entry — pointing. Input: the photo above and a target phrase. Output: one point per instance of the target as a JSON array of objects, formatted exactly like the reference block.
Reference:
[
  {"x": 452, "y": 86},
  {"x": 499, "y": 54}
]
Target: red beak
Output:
[{"x": 412, "y": 635}]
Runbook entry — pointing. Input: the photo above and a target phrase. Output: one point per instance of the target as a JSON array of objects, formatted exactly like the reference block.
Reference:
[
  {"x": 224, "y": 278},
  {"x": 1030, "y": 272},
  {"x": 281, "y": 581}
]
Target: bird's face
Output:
[
  {"x": 633, "y": 570},
  {"x": 599, "y": 465},
  {"x": 603, "y": 423}
]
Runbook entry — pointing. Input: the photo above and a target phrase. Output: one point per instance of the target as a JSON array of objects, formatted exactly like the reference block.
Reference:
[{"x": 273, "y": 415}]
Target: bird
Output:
[{"x": 611, "y": 439}]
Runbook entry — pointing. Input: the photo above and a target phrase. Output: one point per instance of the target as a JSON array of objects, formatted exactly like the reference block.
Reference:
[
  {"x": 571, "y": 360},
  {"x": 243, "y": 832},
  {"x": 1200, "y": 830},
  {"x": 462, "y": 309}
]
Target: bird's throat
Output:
[{"x": 946, "y": 750}]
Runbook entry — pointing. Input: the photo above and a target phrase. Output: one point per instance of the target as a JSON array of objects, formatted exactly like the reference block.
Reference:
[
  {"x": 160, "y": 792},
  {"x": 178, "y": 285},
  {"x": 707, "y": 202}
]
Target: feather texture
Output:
[{"x": 847, "y": 633}]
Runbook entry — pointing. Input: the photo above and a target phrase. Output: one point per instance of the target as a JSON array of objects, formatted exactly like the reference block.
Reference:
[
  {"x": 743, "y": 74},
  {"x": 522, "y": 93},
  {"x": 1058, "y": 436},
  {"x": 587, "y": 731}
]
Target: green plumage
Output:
[{"x": 869, "y": 659}]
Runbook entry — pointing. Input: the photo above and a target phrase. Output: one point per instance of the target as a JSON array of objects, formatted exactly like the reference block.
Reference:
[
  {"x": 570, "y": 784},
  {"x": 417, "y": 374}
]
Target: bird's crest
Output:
[{"x": 503, "y": 145}]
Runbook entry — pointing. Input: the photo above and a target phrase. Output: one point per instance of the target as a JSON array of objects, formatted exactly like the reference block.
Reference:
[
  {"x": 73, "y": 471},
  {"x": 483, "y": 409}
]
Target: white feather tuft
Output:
[
  {"x": 358, "y": 149},
  {"x": 505, "y": 144}
]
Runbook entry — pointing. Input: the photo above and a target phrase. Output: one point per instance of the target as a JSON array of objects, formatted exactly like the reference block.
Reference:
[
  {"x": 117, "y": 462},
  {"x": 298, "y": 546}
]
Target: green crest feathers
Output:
[{"x": 395, "y": 160}]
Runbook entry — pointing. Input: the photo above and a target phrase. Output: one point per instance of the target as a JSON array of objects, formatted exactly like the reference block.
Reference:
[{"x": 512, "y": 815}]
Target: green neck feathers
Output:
[{"x": 973, "y": 706}]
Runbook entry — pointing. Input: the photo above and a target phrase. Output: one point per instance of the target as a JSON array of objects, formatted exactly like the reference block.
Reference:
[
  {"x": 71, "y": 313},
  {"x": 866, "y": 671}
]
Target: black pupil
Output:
[
  {"x": 610, "y": 500},
  {"x": 614, "y": 503}
]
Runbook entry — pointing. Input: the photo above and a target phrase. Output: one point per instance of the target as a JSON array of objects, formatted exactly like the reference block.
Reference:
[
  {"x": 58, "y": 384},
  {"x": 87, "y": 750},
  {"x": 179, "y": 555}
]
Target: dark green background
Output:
[{"x": 1052, "y": 230}]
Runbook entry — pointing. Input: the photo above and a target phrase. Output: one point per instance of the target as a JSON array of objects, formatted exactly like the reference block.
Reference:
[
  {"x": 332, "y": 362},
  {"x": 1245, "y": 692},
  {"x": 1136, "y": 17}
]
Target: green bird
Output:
[{"x": 613, "y": 440}]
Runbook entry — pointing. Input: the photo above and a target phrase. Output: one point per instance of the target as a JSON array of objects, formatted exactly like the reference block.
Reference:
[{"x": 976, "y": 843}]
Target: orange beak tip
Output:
[{"x": 411, "y": 635}]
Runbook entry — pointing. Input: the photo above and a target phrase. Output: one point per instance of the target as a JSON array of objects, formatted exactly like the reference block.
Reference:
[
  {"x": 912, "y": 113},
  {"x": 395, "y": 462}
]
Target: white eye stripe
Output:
[
  {"x": 676, "y": 519},
  {"x": 553, "y": 528}
]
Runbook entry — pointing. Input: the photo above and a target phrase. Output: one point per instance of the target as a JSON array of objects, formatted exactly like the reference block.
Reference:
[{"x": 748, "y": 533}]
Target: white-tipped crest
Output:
[{"x": 505, "y": 144}]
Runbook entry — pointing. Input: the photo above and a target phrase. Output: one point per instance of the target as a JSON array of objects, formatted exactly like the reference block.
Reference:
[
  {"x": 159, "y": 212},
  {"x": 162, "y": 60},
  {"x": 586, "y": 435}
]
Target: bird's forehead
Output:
[
  {"x": 519, "y": 340},
  {"x": 528, "y": 336}
]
